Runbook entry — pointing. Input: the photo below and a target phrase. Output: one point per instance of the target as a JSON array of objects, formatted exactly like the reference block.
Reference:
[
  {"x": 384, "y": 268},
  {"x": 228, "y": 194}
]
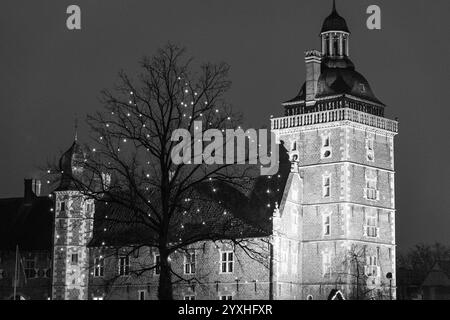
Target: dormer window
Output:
[{"x": 362, "y": 87}]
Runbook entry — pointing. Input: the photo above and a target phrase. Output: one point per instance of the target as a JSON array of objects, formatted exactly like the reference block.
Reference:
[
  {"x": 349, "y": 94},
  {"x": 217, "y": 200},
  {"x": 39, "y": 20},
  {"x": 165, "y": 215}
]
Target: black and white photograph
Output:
[{"x": 242, "y": 152}]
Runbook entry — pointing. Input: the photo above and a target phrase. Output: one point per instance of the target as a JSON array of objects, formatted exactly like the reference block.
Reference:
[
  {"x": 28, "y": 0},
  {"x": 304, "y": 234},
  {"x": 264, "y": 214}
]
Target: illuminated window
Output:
[{"x": 99, "y": 267}]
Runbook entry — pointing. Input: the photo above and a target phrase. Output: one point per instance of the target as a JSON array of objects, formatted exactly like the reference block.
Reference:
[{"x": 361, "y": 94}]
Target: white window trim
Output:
[
  {"x": 226, "y": 295},
  {"x": 324, "y": 148},
  {"x": 190, "y": 253},
  {"x": 139, "y": 294},
  {"x": 370, "y": 267},
  {"x": 189, "y": 296},
  {"x": 127, "y": 259},
  {"x": 370, "y": 152},
  {"x": 324, "y": 187},
  {"x": 374, "y": 180},
  {"x": 324, "y": 229},
  {"x": 373, "y": 227},
  {"x": 221, "y": 252}
]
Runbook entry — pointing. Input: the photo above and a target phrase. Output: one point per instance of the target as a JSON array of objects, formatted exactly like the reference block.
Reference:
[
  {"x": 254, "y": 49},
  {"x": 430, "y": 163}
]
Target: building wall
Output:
[
  {"x": 208, "y": 282},
  {"x": 72, "y": 232},
  {"x": 348, "y": 167},
  {"x": 32, "y": 284}
]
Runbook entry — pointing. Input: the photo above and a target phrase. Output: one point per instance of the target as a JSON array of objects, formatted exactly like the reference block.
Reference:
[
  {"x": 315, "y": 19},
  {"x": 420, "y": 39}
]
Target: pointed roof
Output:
[
  {"x": 70, "y": 160},
  {"x": 334, "y": 22}
]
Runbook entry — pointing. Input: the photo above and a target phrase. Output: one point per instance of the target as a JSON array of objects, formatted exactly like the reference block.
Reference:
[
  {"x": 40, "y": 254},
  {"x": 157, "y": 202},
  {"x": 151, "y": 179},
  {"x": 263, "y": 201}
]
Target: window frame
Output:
[
  {"x": 124, "y": 270},
  {"x": 99, "y": 267},
  {"x": 371, "y": 228},
  {"x": 326, "y": 188},
  {"x": 227, "y": 262},
  {"x": 140, "y": 292},
  {"x": 326, "y": 225},
  {"x": 189, "y": 267}
]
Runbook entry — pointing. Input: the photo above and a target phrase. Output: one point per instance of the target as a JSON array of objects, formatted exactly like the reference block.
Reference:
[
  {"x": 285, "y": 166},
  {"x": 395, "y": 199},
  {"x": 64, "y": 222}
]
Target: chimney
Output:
[
  {"x": 32, "y": 189},
  {"x": 313, "y": 60}
]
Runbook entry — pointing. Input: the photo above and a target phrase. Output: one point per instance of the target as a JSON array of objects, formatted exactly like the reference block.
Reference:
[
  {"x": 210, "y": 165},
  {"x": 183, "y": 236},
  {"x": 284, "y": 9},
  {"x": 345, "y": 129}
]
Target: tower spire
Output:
[{"x": 334, "y": 6}]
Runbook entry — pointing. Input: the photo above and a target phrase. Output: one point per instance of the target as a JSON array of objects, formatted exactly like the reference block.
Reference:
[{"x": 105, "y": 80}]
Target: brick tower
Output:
[
  {"x": 72, "y": 231},
  {"x": 340, "y": 193}
]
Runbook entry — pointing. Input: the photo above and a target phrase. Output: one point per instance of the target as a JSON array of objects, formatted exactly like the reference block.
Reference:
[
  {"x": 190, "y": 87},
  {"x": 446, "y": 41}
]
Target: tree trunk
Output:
[{"x": 165, "y": 278}]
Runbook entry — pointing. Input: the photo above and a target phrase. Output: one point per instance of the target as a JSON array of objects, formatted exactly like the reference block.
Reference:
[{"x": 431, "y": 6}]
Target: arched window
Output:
[
  {"x": 335, "y": 46},
  {"x": 309, "y": 297}
]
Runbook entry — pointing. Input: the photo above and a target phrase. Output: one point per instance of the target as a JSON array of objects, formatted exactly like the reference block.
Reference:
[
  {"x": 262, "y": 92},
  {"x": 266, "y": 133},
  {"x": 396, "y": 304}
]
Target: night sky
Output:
[{"x": 50, "y": 74}]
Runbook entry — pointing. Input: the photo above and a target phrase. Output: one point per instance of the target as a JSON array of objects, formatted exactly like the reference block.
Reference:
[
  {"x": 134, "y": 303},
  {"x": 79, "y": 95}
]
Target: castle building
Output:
[
  {"x": 341, "y": 192},
  {"x": 331, "y": 235}
]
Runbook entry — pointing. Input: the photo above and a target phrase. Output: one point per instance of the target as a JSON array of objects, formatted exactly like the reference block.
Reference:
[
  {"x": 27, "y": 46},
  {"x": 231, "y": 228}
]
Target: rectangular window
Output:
[
  {"x": 189, "y": 297},
  {"x": 62, "y": 206},
  {"x": 370, "y": 149},
  {"x": 325, "y": 151},
  {"x": 371, "y": 269},
  {"x": 326, "y": 186},
  {"x": 371, "y": 226},
  {"x": 327, "y": 224},
  {"x": 326, "y": 141},
  {"x": 29, "y": 267},
  {"x": 326, "y": 264},
  {"x": 189, "y": 263},
  {"x": 99, "y": 267},
  {"x": 371, "y": 189},
  {"x": 124, "y": 265},
  {"x": 74, "y": 258},
  {"x": 141, "y": 294},
  {"x": 97, "y": 298},
  {"x": 157, "y": 264},
  {"x": 226, "y": 297},
  {"x": 226, "y": 261}
]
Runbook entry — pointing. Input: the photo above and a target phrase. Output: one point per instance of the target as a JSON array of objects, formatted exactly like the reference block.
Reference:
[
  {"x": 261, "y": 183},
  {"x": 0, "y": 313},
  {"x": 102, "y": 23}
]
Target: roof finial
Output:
[
  {"x": 334, "y": 5},
  {"x": 76, "y": 127}
]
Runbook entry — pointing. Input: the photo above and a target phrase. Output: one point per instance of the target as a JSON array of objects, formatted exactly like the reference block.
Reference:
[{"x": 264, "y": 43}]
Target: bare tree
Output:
[{"x": 130, "y": 166}]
